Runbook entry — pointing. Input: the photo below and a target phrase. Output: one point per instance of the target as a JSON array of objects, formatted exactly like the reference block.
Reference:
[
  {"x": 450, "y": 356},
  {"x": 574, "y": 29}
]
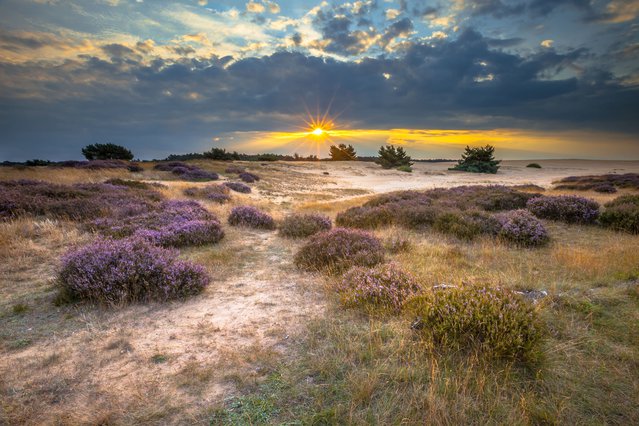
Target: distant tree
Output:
[
  {"x": 478, "y": 160},
  {"x": 342, "y": 152},
  {"x": 106, "y": 151},
  {"x": 37, "y": 162},
  {"x": 391, "y": 157}
]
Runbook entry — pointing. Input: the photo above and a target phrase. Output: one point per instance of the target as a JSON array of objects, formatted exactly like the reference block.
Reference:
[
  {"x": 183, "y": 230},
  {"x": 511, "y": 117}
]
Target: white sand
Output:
[{"x": 370, "y": 176}]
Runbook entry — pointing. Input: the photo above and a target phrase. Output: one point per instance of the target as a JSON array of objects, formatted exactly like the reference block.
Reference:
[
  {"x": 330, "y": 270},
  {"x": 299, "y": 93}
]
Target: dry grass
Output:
[{"x": 257, "y": 346}]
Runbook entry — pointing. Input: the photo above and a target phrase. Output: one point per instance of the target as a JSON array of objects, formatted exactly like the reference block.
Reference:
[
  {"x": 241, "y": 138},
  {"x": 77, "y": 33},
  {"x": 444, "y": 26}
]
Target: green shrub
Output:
[
  {"x": 494, "y": 321},
  {"x": 342, "y": 152},
  {"x": 534, "y": 166},
  {"x": 407, "y": 169},
  {"x": 622, "y": 214}
]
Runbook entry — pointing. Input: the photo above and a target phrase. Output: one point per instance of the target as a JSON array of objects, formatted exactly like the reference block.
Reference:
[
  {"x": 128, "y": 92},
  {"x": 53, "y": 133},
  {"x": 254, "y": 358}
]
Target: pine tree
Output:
[
  {"x": 392, "y": 157},
  {"x": 342, "y": 153},
  {"x": 478, "y": 160},
  {"x": 106, "y": 151}
]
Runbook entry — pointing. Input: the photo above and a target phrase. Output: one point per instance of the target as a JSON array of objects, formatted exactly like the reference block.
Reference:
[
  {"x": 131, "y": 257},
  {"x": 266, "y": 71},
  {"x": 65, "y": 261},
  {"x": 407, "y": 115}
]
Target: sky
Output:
[{"x": 535, "y": 78}]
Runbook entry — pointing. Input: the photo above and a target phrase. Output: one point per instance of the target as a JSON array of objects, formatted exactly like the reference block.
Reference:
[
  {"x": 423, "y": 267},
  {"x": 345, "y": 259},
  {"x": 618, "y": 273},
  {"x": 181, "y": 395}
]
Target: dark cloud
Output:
[{"x": 53, "y": 110}]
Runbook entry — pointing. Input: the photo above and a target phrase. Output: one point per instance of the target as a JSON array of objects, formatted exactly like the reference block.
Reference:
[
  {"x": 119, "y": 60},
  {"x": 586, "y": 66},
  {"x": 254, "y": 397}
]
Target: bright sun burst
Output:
[{"x": 318, "y": 131}]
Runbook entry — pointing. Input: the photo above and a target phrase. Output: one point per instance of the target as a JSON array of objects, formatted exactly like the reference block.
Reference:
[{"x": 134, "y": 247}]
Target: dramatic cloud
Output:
[{"x": 181, "y": 75}]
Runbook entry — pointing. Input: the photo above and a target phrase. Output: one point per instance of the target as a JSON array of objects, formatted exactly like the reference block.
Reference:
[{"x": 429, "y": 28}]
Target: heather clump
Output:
[
  {"x": 251, "y": 217},
  {"x": 238, "y": 187},
  {"x": 235, "y": 170},
  {"x": 173, "y": 223},
  {"x": 496, "y": 322},
  {"x": 466, "y": 225},
  {"x": 186, "y": 171},
  {"x": 304, "y": 225},
  {"x": 565, "y": 208},
  {"x": 522, "y": 228},
  {"x": 248, "y": 177},
  {"x": 131, "y": 270},
  {"x": 622, "y": 214},
  {"x": 339, "y": 249},
  {"x": 364, "y": 217},
  {"x": 75, "y": 202},
  {"x": 215, "y": 193},
  {"x": 595, "y": 182},
  {"x": 384, "y": 287}
]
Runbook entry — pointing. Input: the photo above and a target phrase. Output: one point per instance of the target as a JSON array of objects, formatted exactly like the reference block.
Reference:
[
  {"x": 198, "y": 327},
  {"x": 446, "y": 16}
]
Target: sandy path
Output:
[{"x": 190, "y": 353}]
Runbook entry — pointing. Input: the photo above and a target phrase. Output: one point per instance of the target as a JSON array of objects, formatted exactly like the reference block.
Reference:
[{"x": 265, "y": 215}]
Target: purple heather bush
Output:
[
  {"x": 98, "y": 164},
  {"x": 522, "y": 228},
  {"x": 566, "y": 208},
  {"x": 173, "y": 223},
  {"x": 592, "y": 182},
  {"x": 304, "y": 225},
  {"x": 238, "y": 187},
  {"x": 186, "y": 171},
  {"x": 215, "y": 193},
  {"x": 364, "y": 217},
  {"x": 495, "y": 321},
  {"x": 251, "y": 217},
  {"x": 467, "y": 225},
  {"x": 339, "y": 249},
  {"x": 131, "y": 270},
  {"x": 605, "y": 188},
  {"x": 622, "y": 214},
  {"x": 249, "y": 177},
  {"x": 75, "y": 202},
  {"x": 235, "y": 170},
  {"x": 385, "y": 287}
]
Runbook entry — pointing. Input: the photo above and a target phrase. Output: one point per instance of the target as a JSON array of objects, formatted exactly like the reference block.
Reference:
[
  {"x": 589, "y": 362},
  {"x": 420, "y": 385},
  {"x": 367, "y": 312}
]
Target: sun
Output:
[{"x": 318, "y": 131}]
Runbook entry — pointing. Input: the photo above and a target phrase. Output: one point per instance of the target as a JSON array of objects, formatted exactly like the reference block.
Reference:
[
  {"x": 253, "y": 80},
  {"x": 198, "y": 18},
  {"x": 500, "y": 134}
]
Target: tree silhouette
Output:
[{"x": 342, "y": 152}]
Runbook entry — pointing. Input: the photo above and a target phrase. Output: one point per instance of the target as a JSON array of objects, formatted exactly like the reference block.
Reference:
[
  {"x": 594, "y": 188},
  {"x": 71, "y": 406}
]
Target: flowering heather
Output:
[
  {"x": 364, "y": 217},
  {"x": 622, "y": 214},
  {"x": 304, "y": 225},
  {"x": 522, "y": 228},
  {"x": 467, "y": 225},
  {"x": 385, "y": 286},
  {"x": 174, "y": 223},
  {"x": 98, "y": 164},
  {"x": 585, "y": 183},
  {"x": 238, "y": 187},
  {"x": 131, "y": 270},
  {"x": 566, "y": 208},
  {"x": 184, "y": 233},
  {"x": 215, "y": 193},
  {"x": 235, "y": 170},
  {"x": 339, "y": 249},
  {"x": 489, "y": 198},
  {"x": 495, "y": 321},
  {"x": 605, "y": 188},
  {"x": 76, "y": 202},
  {"x": 186, "y": 171},
  {"x": 249, "y": 177},
  {"x": 251, "y": 217}
]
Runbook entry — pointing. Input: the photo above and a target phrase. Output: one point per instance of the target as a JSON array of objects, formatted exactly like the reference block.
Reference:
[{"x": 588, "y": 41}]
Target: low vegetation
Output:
[
  {"x": 251, "y": 217},
  {"x": 187, "y": 171},
  {"x": 599, "y": 183},
  {"x": 493, "y": 321},
  {"x": 131, "y": 270},
  {"x": 622, "y": 214},
  {"x": 249, "y": 177},
  {"x": 339, "y": 249},
  {"x": 304, "y": 225},
  {"x": 385, "y": 287},
  {"x": 215, "y": 193},
  {"x": 534, "y": 166},
  {"x": 522, "y": 228},
  {"x": 238, "y": 187},
  {"x": 566, "y": 208}
]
